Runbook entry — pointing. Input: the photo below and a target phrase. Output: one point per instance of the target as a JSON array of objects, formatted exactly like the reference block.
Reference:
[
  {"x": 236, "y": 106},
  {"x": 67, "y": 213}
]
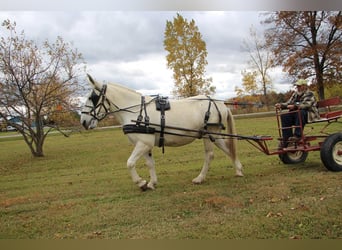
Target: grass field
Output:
[{"x": 82, "y": 190}]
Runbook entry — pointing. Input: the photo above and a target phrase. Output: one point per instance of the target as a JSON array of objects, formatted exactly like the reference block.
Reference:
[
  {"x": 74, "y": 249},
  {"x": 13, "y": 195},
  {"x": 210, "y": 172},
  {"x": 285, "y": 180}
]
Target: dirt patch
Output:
[
  {"x": 8, "y": 202},
  {"x": 222, "y": 202}
]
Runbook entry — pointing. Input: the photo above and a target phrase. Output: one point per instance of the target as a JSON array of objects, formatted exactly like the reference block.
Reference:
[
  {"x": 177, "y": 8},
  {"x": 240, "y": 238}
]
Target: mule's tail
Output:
[
  {"x": 232, "y": 144},
  {"x": 231, "y": 141}
]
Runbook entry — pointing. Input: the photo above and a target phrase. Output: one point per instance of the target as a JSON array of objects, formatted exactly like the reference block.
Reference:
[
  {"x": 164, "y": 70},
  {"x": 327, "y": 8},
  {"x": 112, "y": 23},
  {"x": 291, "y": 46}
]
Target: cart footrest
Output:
[{"x": 257, "y": 138}]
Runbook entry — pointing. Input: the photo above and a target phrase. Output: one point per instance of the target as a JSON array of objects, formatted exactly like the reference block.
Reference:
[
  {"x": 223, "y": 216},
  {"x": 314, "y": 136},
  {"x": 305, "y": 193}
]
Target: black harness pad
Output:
[
  {"x": 133, "y": 128},
  {"x": 162, "y": 103}
]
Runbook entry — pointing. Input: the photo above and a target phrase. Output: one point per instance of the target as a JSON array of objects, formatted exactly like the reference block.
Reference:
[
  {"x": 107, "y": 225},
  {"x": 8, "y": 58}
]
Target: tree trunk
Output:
[
  {"x": 317, "y": 64},
  {"x": 319, "y": 80},
  {"x": 40, "y": 137},
  {"x": 320, "y": 88},
  {"x": 39, "y": 150},
  {"x": 35, "y": 146}
]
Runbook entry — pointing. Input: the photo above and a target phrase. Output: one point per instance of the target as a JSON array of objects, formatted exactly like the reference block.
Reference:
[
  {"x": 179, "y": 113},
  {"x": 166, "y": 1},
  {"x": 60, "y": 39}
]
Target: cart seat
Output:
[{"x": 330, "y": 109}]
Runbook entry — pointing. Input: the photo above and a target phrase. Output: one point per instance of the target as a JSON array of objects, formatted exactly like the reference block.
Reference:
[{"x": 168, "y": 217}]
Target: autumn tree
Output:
[
  {"x": 187, "y": 57},
  {"x": 249, "y": 84},
  {"x": 249, "y": 93},
  {"x": 261, "y": 60},
  {"x": 308, "y": 44},
  {"x": 35, "y": 82}
]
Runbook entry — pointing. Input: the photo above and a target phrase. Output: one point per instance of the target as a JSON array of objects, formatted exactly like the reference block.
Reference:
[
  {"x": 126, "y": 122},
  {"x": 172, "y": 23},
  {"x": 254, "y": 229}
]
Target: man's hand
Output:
[{"x": 291, "y": 107}]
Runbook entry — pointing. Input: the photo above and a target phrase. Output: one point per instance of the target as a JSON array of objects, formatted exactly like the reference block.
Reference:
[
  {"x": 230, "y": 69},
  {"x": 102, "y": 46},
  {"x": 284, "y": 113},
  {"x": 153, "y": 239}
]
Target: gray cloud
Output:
[{"x": 127, "y": 46}]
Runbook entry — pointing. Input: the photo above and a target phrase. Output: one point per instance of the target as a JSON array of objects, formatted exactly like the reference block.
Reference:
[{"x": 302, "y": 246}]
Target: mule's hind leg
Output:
[
  {"x": 209, "y": 155},
  {"x": 224, "y": 146},
  {"x": 152, "y": 170},
  {"x": 139, "y": 150}
]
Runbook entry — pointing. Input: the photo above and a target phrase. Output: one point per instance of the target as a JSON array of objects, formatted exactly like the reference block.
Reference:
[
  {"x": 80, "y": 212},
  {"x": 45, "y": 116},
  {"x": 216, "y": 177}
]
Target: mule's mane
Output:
[{"x": 116, "y": 85}]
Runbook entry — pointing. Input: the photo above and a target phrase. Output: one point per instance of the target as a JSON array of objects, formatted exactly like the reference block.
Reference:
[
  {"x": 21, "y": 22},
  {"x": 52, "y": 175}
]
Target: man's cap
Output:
[{"x": 301, "y": 82}]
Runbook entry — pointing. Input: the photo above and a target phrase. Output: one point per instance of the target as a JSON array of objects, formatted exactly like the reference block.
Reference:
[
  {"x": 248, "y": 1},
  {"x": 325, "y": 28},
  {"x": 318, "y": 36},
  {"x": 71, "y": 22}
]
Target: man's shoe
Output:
[{"x": 294, "y": 139}]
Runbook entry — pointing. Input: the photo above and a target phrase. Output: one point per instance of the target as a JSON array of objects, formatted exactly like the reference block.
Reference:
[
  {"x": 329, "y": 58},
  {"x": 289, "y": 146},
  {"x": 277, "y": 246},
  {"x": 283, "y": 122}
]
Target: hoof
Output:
[
  {"x": 151, "y": 186},
  {"x": 197, "y": 181},
  {"x": 143, "y": 186},
  {"x": 239, "y": 174}
]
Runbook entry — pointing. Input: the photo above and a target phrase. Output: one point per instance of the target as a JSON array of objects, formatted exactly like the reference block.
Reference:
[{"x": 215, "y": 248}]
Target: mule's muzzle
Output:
[
  {"x": 84, "y": 124},
  {"x": 89, "y": 124}
]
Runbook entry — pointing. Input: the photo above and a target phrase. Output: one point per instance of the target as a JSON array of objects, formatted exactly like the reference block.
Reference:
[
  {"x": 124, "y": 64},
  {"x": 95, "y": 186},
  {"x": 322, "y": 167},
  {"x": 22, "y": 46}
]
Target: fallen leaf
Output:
[{"x": 271, "y": 214}]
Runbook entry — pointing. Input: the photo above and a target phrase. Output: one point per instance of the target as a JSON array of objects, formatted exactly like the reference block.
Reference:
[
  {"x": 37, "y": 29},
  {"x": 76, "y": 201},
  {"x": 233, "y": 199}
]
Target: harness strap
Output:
[
  {"x": 143, "y": 108},
  {"x": 207, "y": 115},
  {"x": 162, "y": 126},
  {"x": 162, "y": 104},
  {"x": 139, "y": 119},
  {"x": 147, "y": 118}
]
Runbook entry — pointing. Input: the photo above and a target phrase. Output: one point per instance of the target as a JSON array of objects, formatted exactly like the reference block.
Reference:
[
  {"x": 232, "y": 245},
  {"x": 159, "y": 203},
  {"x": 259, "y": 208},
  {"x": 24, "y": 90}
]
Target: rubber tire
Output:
[
  {"x": 331, "y": 145},
  {"x": 293, "y": 157}
]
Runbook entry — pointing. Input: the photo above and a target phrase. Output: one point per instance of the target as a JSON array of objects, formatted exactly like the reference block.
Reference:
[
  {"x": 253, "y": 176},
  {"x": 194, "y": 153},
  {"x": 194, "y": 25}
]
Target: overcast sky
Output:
[
  {"x": 122, "y": 41},
  {"x": 126, "y": 47}
]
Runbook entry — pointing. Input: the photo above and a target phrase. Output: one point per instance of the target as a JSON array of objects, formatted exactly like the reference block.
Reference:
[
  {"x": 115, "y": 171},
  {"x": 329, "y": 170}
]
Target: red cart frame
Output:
[{"x": 330, "y": 145}]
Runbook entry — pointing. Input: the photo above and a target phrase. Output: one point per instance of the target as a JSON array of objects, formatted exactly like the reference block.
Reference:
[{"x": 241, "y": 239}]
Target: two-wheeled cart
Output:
[{"x": 292, "y": 152}]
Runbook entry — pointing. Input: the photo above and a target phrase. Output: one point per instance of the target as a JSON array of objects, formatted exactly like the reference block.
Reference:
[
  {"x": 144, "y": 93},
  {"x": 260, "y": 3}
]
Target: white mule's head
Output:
[{"x": 92, "y": 111}]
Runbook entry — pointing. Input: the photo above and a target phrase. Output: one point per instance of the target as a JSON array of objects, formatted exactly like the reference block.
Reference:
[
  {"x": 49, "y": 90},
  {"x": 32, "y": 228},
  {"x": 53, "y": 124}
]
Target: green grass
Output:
[{"x": 82, "y": 190}]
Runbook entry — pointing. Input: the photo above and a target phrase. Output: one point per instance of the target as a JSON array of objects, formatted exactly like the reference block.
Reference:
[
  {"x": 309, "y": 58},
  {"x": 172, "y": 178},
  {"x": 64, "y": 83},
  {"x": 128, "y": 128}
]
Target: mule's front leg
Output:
[
  {"x": 209, "y": 155},
  {"x": 139, "y": 150},
  {"x": 150, "y": 164}
]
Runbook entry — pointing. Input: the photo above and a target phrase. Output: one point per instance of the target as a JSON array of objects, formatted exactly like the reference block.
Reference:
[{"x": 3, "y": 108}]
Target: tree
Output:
[
  {"x": 35, "y": 82},
  {"x": 187, "y": 57},
  {"x": 308, "y": 44},
  {"x": 261, "y": 59},
  {"x": 249, "y": 84}
]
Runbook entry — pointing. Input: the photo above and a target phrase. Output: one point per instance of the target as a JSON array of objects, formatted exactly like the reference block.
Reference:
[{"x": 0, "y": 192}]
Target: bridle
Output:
[{"x": 100, "y": 102}]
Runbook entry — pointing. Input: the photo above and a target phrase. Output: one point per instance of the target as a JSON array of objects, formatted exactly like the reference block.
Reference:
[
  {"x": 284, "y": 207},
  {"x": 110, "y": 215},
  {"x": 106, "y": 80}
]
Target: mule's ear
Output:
[
  {"x": 90, "y": 79},
  {"x": 93, "y": 82}
]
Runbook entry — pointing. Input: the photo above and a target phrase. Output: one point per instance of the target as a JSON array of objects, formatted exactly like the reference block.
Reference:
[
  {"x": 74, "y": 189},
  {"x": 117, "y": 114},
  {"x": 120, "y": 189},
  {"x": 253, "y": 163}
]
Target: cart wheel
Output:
[
  {"x": 293, "y": 157},
  {"x": 331, "y": 152}
]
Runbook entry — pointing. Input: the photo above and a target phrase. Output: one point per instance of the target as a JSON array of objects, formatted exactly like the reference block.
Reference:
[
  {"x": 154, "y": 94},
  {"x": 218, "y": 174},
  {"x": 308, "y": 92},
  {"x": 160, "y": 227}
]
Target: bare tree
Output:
[
  {"x": 35, "y": 82},
  {"x": 261, "y": 59}
]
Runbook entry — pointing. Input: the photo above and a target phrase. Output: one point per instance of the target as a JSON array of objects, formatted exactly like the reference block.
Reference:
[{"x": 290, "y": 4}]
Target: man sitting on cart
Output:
[{"x": 304, "y": 102}]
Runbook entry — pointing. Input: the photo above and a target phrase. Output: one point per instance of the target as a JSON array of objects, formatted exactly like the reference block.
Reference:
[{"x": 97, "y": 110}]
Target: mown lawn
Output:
[{"x": 82, "y": 190}]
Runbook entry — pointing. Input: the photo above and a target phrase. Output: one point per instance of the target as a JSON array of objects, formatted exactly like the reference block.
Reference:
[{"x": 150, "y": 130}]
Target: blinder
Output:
[{"x": 94, "y": 98}]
